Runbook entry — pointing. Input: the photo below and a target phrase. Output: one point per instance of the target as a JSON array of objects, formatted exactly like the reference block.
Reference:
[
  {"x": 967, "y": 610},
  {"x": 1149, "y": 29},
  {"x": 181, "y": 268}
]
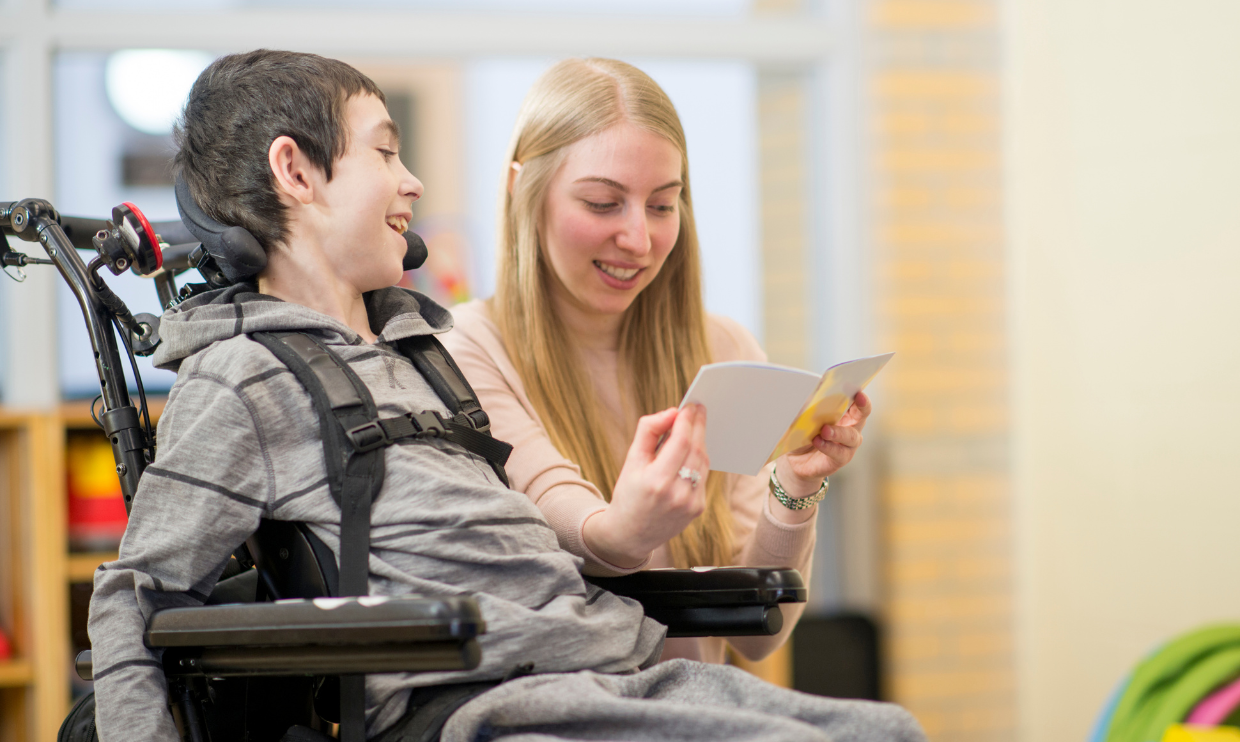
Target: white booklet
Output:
[{"x": 755, "y": 412}]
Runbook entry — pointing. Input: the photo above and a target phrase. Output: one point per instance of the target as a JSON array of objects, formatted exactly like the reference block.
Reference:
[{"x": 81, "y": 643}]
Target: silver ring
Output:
[{"x": 690, "y": 475}]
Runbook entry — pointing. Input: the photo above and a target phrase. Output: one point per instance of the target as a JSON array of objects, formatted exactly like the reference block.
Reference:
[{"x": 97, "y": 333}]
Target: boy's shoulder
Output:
[
  {"x": 211, "y": 334},
  {"x": 235, "y": 360},
  {"x": 212, "y": 331}
]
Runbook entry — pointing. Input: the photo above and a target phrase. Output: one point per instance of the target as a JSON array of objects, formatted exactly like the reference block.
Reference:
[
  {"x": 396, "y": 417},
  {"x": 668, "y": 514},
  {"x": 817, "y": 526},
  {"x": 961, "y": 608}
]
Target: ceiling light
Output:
[{"x": 148, "y": 87}]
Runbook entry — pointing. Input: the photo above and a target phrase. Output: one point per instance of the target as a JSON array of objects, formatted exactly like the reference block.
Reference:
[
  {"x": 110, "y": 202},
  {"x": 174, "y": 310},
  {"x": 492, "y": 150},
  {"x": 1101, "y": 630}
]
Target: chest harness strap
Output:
[{"x": 354, "y": 437}]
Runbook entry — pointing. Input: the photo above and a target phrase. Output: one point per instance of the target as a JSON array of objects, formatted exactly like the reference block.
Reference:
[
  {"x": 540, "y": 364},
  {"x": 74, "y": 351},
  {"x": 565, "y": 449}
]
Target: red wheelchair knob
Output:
[{"x": 140, "y": 238}]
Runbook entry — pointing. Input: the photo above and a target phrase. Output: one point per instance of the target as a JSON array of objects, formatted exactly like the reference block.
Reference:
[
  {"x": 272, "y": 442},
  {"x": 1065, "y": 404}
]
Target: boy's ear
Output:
[{"x": 293, "y": 171}]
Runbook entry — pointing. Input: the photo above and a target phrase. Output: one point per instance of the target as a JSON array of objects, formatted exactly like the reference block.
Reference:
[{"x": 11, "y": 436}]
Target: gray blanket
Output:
[{"x": 676, "y": 700}]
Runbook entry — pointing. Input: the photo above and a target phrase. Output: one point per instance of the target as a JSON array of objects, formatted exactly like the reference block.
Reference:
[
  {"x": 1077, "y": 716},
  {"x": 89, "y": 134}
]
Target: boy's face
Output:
[{"x": 364, "y": 210}]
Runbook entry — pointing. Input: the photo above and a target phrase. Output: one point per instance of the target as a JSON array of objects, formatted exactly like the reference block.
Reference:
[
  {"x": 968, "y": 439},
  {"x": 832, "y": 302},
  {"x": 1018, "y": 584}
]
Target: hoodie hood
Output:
[{"x": 210, "y": 317}]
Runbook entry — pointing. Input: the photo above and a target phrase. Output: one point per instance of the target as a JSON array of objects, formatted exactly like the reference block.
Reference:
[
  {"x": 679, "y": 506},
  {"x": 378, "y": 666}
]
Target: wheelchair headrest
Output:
[{"x": 237, "y": 253}]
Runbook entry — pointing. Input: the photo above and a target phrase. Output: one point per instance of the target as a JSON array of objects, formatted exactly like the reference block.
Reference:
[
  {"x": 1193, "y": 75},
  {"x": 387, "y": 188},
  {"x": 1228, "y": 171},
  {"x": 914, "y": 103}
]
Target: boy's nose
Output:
[{"x": 411, "y": 187}]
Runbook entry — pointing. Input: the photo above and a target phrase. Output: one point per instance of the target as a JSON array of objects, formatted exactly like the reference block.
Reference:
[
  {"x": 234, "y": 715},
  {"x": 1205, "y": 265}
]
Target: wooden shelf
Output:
[
  {"x": 15, "y": 673},
  {"x": 14, "y": 419},
  {"x": 82, "y": 566}
]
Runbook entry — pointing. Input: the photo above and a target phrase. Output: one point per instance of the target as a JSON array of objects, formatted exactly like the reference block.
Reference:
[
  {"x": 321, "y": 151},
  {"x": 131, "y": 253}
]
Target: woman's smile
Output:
[{"x": 617, "y": 276}]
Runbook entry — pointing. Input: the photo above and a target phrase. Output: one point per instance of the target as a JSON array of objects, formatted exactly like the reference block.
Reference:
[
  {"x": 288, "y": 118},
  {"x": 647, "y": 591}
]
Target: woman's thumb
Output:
[{"x": 651, "y": 429}]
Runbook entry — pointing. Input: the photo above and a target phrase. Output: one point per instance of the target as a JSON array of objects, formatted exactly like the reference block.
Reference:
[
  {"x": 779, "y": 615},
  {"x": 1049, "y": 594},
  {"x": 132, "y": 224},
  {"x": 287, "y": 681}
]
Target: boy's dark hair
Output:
[{"x": 238, "y": 106}]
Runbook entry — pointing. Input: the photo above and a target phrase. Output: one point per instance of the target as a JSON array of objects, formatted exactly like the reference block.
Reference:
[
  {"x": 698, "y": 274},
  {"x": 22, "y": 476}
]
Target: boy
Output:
[{"x": 300, "y": 151}]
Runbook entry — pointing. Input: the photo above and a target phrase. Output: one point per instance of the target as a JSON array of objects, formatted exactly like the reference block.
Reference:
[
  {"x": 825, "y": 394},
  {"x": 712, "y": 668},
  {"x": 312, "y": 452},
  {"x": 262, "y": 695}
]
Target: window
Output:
[
  {"x": 101, "y": 161},
  {"x": 570, "y": 7}
]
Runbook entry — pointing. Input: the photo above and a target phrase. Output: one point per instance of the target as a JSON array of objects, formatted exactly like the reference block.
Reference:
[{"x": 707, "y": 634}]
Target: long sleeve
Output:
[
  {"x": 536, "y": 467},
  {"x": 197, "y": 503}
]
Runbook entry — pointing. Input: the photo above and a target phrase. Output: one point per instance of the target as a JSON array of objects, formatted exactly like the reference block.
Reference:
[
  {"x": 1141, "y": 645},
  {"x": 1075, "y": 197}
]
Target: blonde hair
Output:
[{"x": 662, "y": 334}]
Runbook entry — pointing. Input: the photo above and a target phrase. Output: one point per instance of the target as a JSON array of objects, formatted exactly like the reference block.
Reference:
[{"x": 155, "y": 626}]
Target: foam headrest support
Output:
[
  {"x": 415, "y": 252},
  {"x": 237, "y": 252}
]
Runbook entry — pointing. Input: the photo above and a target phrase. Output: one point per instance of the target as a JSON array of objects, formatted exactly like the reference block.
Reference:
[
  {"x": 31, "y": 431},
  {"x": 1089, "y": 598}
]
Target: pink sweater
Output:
[{"x": 556, "y": 486}]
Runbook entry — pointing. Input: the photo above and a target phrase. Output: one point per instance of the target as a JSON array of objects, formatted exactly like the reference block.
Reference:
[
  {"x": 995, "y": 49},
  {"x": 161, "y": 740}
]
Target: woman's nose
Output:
[{"x": 635, "y": 235}]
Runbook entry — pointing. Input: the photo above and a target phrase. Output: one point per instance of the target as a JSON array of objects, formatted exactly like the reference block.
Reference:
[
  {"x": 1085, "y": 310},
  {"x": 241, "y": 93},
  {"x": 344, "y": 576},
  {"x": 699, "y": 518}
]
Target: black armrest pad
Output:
[
  {"x": 323, "y": 621},
  {"x": 710, "y": 587}
]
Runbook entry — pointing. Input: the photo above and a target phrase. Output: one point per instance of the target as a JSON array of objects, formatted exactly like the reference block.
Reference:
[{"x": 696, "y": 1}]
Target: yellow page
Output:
[{"x": 830, "y": 400}]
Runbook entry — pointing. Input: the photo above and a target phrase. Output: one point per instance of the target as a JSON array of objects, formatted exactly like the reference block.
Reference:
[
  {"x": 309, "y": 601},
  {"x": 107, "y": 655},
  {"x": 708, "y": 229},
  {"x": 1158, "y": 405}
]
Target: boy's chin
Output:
[
  {"x": 385, "y": 279},
  {"x": 381, "y": 277}
]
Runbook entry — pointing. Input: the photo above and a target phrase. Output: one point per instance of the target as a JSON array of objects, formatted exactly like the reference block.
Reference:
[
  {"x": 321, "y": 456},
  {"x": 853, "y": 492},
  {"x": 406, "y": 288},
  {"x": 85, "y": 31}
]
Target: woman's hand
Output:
[
  {"x": 651, "y": 502},
  {"x": 831, "y": 449}
]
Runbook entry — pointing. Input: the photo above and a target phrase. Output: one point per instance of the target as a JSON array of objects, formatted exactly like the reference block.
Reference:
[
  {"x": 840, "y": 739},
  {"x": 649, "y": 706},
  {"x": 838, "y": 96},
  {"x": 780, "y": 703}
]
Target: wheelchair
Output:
[{"x": 265, "y": 655}]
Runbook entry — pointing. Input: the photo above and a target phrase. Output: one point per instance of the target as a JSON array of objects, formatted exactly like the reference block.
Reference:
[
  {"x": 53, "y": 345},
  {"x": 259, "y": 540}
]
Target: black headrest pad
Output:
[
  {"x": 415, "y": 253},
  {"x": 236, "y": 251}
]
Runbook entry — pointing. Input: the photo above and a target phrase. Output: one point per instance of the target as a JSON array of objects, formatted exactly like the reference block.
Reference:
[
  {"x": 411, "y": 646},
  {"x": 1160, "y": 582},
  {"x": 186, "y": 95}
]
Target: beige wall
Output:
[{"x": 1122, "y": 126}]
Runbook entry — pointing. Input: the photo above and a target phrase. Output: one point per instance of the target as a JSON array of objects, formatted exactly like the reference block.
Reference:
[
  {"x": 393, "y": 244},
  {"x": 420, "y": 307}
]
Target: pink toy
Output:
[{"x": 1217, "y": 706}]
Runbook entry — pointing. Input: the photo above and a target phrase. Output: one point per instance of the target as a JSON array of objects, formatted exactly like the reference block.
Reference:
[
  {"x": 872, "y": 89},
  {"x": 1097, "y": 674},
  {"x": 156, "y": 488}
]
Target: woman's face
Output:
[{"x": 611, "y": 217}]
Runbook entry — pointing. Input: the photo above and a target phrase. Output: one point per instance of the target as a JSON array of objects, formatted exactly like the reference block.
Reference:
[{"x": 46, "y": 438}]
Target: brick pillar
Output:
[{"x": 939, "y": 286}]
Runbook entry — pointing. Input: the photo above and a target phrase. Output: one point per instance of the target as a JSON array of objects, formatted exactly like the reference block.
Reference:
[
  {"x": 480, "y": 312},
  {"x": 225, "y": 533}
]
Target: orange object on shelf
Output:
[{"x": 97, "y": 516}]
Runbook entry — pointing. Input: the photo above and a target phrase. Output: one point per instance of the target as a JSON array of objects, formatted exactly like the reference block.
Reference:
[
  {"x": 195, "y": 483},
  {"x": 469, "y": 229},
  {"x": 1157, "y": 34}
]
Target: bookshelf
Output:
[
  {"x": 36, "y": 568},
  {"x": 34, "y": 691}
]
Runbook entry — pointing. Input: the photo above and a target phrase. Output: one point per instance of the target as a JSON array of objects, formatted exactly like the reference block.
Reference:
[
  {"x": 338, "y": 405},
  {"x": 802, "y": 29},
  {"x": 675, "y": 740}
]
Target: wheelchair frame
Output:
[{"x": 308, "y": 636}]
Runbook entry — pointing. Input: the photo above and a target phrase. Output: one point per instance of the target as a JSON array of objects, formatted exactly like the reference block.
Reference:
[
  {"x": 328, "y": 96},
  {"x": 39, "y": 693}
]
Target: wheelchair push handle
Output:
[{"x": 36, "y": 220}]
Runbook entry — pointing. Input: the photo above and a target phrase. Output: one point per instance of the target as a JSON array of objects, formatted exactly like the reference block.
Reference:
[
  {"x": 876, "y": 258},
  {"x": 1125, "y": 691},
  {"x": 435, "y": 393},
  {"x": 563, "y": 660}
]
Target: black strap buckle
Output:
[
  {"x": 367, "y": 436},
  {"x": 478, "y": 418},
  {"x": 428, "y": 423}
]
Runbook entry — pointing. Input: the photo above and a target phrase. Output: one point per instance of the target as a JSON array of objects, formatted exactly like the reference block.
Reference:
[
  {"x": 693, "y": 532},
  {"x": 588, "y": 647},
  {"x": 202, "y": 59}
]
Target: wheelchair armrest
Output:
[
  {"x": 368, "y": 620},
  {"x": 721, "y": 601},
  {"x": 325, "y": 636}
]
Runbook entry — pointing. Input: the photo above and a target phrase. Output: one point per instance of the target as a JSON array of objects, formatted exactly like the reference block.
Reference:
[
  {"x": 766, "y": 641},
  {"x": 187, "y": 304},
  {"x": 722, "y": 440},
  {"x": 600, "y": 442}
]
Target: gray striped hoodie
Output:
[{"x": 239, "y": 441}]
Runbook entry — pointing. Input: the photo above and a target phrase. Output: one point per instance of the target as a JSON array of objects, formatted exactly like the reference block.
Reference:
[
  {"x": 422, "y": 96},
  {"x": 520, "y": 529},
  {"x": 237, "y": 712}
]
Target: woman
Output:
[{"x": 594, "y": 334}]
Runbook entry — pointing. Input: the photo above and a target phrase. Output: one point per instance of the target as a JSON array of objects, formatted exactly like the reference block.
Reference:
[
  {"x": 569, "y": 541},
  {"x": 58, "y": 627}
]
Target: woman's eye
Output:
[
  {"x": 593, "y": 206},
  {"x": 664, "y": 208}
]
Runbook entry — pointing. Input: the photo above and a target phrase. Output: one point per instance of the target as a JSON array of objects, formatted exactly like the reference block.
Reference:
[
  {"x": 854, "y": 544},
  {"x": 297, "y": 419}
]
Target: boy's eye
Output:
[{"x": 387, "y": 153}]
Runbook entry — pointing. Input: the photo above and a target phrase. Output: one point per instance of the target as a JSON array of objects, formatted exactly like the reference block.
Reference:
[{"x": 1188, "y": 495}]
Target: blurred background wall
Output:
[
  {"x": 1123, "y": 178},
  {"x": 1033, "y": 202}
]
